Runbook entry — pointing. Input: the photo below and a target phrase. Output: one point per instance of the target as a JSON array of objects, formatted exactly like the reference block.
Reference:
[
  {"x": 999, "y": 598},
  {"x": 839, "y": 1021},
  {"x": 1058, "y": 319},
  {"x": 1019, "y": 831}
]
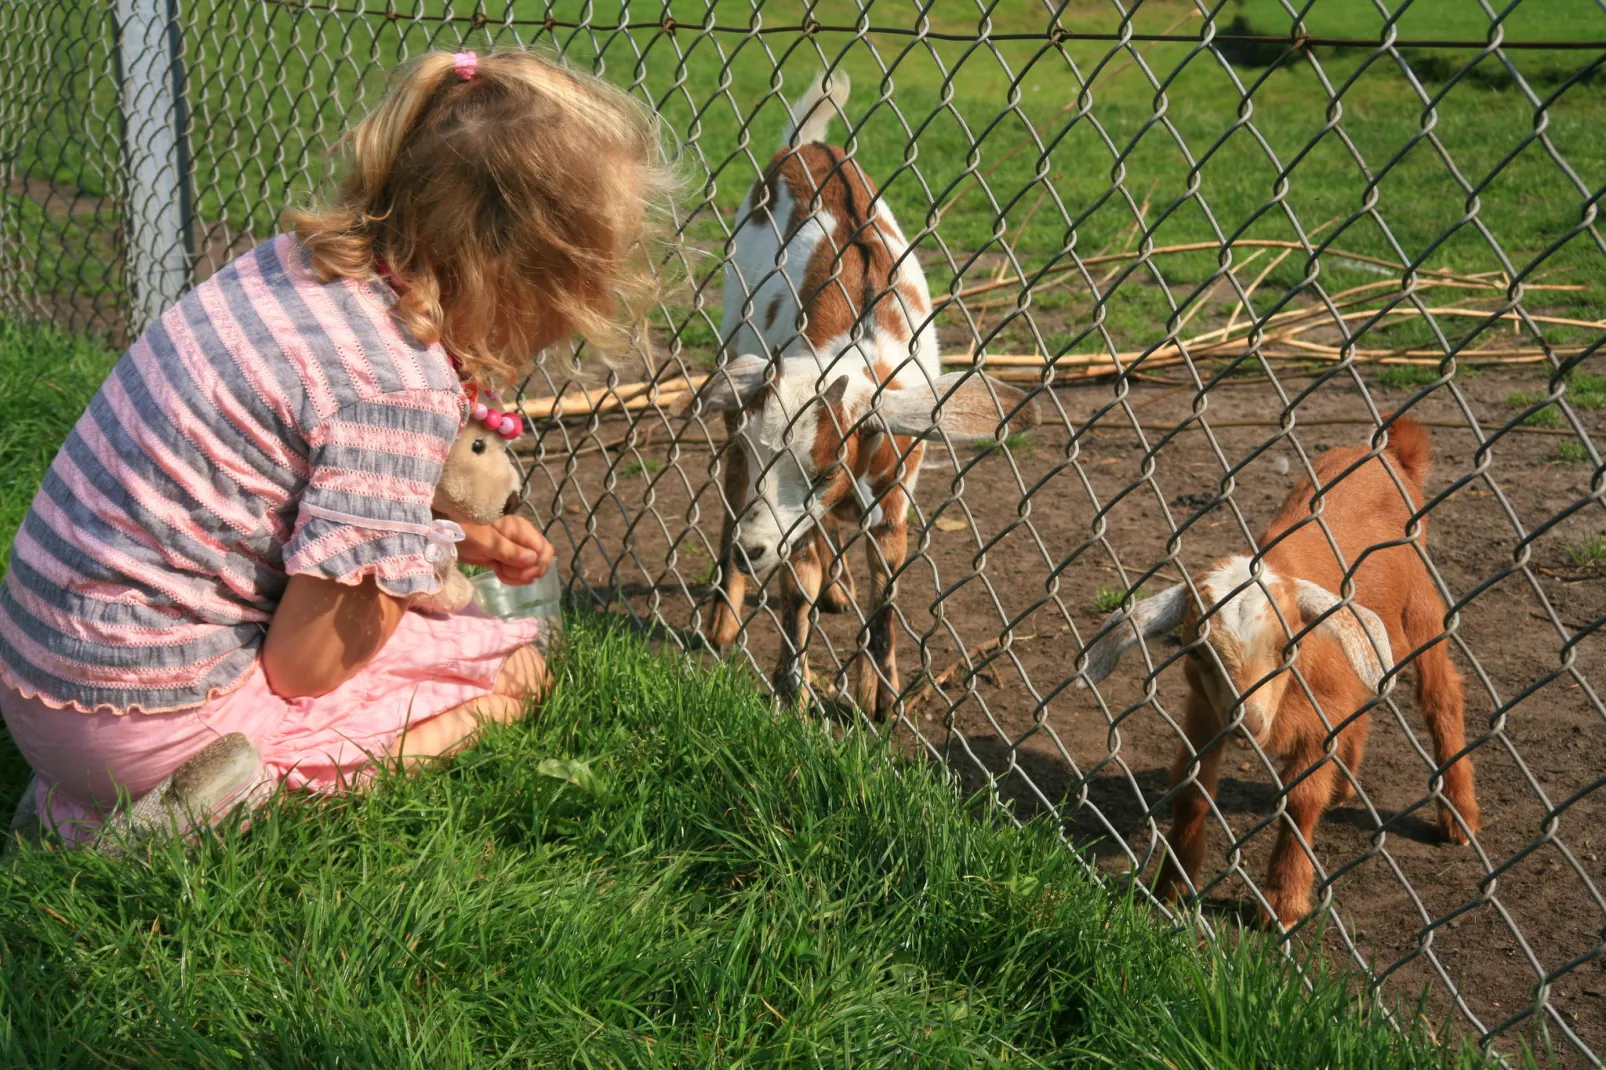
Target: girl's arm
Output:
[{"x": 325, "y": 631}]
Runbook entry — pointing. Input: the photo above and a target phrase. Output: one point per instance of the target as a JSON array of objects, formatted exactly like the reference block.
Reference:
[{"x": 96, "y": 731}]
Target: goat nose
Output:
[{"x": 512, "y": 505}]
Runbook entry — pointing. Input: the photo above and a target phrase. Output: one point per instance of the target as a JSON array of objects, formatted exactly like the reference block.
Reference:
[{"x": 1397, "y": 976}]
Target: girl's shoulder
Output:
[{"x": 339, "y": 336}]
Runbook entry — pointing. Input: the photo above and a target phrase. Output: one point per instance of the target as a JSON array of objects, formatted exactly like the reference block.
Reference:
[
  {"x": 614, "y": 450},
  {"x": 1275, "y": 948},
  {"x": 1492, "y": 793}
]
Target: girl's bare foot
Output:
[{"x": 523, "y": 679}]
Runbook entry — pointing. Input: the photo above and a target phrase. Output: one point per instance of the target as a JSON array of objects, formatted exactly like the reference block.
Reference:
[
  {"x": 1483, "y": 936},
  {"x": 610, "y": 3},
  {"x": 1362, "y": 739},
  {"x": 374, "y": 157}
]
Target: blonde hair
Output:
[{"x": 524, "y": 192}]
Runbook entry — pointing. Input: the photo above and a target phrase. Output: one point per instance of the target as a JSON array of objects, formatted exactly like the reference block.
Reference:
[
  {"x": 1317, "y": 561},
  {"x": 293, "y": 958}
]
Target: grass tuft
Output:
[
  {"x": 1571, "y": 453},
  {"x": 1548, "y": 416},
  {"x": 646, "y": 466},
  {"x": 1404, "y": 376},
  {"x": 1586, "y": 391},
  {"x": 1020, "y": 444},
  {"x": 1591, "y": 551},
  {"x": 1109, "y": 599}
]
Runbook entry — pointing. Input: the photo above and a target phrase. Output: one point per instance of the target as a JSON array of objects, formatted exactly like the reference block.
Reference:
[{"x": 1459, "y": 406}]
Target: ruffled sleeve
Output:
[{"x": 366, "y": 508}]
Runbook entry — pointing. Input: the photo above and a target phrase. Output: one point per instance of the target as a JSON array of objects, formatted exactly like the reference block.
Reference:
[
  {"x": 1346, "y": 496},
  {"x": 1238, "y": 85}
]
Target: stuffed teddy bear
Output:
[{"x": 479, "y": 482}]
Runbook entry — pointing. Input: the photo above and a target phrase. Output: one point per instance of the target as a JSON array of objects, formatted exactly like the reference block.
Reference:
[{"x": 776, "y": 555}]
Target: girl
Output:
[{"x": 213, "y": 578}]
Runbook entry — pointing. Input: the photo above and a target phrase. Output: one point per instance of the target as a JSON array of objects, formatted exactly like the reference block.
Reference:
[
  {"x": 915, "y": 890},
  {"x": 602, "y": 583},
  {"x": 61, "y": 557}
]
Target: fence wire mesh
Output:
[{"x": 1207, "y": 243}]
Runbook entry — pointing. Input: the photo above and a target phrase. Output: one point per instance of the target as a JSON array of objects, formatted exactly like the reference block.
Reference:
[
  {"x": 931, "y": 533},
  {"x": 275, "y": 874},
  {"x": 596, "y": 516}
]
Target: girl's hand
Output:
[{"x": 512, "y": 547}]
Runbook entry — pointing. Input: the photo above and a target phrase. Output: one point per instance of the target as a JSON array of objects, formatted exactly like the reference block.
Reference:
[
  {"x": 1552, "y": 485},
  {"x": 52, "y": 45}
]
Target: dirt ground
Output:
[{"x": 1015, "y": 541}]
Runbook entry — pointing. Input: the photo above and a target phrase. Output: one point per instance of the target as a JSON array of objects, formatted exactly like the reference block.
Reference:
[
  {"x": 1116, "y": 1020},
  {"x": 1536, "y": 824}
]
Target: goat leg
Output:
[
  {"x": 1288, "y": 879},
  {"x": 1441, "y": 698},
  {"x": 877, "y": 687},
  {"x": 1190, "y": 805},
  {"x": 801, "y": 578},
  {"x": 838, "y": 595},
  {"x": 730, "y": 583},
  {"x": 1351, "y": 748}
]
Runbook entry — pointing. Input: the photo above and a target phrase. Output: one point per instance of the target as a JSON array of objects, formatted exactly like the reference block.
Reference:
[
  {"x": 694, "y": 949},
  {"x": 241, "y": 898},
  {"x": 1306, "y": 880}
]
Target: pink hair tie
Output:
[{"x": 465, "y": 63}]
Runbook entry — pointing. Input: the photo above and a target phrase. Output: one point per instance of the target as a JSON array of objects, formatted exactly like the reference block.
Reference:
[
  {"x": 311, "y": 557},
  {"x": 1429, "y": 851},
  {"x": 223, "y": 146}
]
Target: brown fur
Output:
[
  {"x": 1363, "y": 509},
  {"x": 852, "y": 272},
  {"x": 855, "y": 266},
  {"x": 853, "y": 280}
]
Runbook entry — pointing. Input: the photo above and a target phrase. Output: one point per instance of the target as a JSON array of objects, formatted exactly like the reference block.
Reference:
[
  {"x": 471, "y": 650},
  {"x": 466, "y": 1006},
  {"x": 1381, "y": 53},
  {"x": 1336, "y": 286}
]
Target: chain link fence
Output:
[{"x": 1210, "y": 243}]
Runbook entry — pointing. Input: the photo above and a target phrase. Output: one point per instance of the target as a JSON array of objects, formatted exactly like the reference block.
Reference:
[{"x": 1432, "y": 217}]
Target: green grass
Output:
[
  {"x": 657, "y": 870},
  {"x": 46, "y": 379},
  {"x": 1021, "y": 444},
  {"x": 1584, "y": 391},
  {"x": 1445, "y": 20},
  {"x": 1109, "y": 599},
  {"x": 1589, "y": 552},
  {"x": 1572, "y": 453},
  {"x": 977, "y": 177},
  {"x": 1548, "y": 416},
  {"x": 648, "y": 466},
  {"x": 1404, "y": 376},
  {"x": 1408, "y": 376}
]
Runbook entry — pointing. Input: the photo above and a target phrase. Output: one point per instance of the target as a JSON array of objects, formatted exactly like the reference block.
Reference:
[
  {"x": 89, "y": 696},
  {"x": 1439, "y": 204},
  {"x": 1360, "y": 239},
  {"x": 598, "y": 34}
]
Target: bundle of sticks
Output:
[{"x": 1280, "y": 337}]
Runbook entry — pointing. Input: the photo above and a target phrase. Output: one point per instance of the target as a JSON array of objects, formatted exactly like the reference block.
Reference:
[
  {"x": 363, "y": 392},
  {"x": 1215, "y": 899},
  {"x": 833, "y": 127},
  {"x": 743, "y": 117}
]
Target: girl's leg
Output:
[
  {"x": 522, "y": 680},
  {"x": 86, "y": 764}
]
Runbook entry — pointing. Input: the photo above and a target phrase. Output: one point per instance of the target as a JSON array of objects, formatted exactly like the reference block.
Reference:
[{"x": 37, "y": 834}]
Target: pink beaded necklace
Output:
[{"x": 510, "y": 425}]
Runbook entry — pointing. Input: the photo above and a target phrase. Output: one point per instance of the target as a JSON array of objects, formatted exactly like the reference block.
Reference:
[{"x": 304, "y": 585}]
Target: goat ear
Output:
[
  {"x": 1358, "y": 630},
  {"x": 833, "y": 394},
  {"x": 732, "y": 386},
  {"x": 968, "y": 410},
  {"x": 1149, "y": 618}
]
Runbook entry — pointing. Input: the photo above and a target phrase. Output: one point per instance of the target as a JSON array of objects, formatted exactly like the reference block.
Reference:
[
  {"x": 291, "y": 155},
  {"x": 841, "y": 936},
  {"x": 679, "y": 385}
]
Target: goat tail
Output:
[
  {"x": 1412, "y": 448},
  {"x": 813, "y": 112}
]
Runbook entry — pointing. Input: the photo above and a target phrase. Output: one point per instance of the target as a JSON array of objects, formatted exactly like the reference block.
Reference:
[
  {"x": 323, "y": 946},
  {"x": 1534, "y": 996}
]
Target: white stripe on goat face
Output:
[
  {"x": 1247, "y": 639},
  {"x": 781, "y": 507}
]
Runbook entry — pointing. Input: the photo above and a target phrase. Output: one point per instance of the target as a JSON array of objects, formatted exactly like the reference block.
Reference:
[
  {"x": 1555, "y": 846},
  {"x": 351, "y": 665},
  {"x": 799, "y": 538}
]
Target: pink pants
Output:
[{"x": 429, "y": 666}]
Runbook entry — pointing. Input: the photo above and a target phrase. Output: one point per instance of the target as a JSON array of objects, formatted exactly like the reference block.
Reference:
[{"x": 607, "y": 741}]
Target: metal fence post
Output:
[{"x": 156, "y": 193}]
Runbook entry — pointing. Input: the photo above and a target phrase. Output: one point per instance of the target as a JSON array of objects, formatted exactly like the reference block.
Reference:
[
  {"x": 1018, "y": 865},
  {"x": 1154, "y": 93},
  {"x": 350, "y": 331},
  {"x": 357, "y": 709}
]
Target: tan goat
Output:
[
  {"x": 833, "y": 380},
  {"x": 1395, "y": 608}
]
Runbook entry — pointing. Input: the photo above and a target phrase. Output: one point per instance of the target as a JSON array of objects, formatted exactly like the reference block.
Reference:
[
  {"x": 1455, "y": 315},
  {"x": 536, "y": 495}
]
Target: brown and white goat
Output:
[
  {"x": 833, "y": 381},
  {"x": 1235, "y": 663}
]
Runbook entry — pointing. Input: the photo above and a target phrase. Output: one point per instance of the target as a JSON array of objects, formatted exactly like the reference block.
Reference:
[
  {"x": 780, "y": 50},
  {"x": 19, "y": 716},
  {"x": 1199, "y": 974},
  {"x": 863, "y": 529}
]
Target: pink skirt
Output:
[{"x": 323, "y": 744}]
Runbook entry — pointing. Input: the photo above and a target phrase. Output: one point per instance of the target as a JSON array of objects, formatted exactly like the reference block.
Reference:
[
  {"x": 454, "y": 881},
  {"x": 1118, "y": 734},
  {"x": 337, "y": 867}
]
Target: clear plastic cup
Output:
[{"x": 543, "y": 598}]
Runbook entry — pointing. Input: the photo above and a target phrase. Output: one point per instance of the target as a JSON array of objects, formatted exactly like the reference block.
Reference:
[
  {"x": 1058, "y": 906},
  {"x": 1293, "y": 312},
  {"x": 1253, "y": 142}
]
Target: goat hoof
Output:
[
  {"x": 836, "y": 598},
  {"x": 789, "y": 689},
  {"x": 1268, "y": 922},
  {"x": 723, "y": 628},
  {"x": 1452, "y": 831},
  {"x": 1288, "y": 914},
  {"x": 867, "y": 697}
]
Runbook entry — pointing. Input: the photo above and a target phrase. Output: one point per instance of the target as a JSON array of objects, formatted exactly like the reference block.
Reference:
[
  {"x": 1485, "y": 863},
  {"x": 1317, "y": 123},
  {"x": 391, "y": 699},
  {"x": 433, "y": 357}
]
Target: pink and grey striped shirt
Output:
[{"x": 267, "y": 425}]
